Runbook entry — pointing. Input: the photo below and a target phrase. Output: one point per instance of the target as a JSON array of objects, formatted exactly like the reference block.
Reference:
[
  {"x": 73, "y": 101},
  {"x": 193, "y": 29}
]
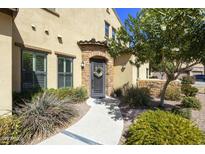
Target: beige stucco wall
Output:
[
  {"x": 73, "y": 25},
  {"x": 122, "y": 71},
  {"x": 125, "y": 72},
  {"x": 6, "y": 63},
  {"x": 142, "y": 73}
]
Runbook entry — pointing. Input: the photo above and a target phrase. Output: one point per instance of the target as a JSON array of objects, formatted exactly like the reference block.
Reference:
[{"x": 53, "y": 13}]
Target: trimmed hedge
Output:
[
  {"x": 173, "y": 93},
  {"x": 75, "y": 94},
  {"x": 137, "y": 97},
  {"x": 191, "y": 102},
  {"x": 189, "y": 90},
  {"x": 188, "y": 80},
  {"x": 71, "y": 94},
  {"x": 184, "y": 112},
  {"x": 163, "y": 128}
]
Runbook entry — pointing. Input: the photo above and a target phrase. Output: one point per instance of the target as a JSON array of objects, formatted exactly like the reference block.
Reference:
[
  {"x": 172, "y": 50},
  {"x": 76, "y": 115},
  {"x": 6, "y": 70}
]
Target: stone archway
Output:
[{"x": 98, "y": 50}]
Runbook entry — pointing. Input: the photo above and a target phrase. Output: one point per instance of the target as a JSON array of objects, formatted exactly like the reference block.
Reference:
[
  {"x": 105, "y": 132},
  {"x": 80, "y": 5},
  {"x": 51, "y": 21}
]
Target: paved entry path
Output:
[
  {"x": 103, "y": 124},
  {"x": 199, "y": 116}
]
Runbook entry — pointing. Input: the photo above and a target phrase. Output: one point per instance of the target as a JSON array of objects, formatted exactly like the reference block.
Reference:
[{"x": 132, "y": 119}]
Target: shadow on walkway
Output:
[
  {"x": 80, "y": 138},
  {"x": 112, "y": 105}
]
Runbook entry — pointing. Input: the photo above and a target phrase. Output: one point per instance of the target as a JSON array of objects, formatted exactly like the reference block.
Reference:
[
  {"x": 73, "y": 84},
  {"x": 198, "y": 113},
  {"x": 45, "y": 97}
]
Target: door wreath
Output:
[{"x": 98, "y": 72}]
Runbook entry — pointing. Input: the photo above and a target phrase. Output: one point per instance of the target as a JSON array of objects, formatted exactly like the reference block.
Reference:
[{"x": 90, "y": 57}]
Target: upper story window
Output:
[
  {"x": 113, "y": 32},
  {"x": 107, "y": 26}
]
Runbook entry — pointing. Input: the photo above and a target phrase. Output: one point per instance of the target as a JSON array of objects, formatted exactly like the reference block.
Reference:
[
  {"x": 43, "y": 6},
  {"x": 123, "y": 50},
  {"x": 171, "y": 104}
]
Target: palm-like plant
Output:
[{"x": 43, "y": 116}]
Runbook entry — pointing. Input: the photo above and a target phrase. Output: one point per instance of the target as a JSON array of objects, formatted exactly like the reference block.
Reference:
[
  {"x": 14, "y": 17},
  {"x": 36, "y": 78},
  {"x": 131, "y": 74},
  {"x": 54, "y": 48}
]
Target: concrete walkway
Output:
[
  {"x": 103, "y": 124},
  {"x": 199, "y": 116}
]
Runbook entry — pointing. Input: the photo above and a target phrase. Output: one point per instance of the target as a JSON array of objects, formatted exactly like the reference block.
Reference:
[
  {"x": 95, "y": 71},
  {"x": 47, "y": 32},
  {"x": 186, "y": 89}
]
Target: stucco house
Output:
[{"x": 55, "y": 48}]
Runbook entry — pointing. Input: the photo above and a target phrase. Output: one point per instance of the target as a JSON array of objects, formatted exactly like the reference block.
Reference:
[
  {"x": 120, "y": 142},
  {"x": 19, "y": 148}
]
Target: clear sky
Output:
[{"x": 123, "y": 12}]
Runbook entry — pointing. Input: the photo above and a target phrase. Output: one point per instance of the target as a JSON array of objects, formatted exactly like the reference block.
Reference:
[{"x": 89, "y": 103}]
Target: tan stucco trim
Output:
[
  {"x": 118, "y": 18},
  {"x": 64, "y": 54},
  {"x": 29, "y": 47}
]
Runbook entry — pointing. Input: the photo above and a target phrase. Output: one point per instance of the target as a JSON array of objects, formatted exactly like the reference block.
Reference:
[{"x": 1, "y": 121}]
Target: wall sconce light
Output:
[
  {"x": 60, "y": 40},
  {"x": 123, "y": 68},
  {"x": 33, "y": 27},
  {"x": 82, "y": 65}
]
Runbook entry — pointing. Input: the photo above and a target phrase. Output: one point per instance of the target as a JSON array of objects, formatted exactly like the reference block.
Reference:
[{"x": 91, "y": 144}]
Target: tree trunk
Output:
[{"x": 162, "y": 97}]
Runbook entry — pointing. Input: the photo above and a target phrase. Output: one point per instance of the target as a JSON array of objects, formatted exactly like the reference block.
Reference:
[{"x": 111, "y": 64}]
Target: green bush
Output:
[
  {"x": 163, "y": 128},
  {"x": 187, "y": 80},
  {"x": 184, "y": 112},
  {"x": 10, "y": 128},
  {"x": 136, "y": 97},
  {"x": 80, "y": 95},
  {"x": 43, "y": 116},
  {"x": 173, "y": 93},
  {"x": 74, "y": 94},
  {"x": 117, "y": 92},
  {"x": 24, "y": 96},
  {"x": 189, "y": 90},
  {"x": 191, "y": 102}
]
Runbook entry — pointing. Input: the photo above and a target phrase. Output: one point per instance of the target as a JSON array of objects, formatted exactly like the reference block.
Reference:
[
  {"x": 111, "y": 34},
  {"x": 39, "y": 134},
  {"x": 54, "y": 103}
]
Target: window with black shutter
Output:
[
  {"x": 65, "y": 72},
  {"x": 34, "y": 71}
]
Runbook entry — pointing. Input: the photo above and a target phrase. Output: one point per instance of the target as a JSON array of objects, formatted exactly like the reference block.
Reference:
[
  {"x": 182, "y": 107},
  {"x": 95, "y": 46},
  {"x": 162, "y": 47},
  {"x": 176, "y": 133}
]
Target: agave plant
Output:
[{"x": 43, "y": 116}]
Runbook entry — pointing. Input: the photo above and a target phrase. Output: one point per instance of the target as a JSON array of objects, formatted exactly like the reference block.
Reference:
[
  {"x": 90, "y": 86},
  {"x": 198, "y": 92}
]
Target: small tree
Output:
[{"x": 171, "y": 40}]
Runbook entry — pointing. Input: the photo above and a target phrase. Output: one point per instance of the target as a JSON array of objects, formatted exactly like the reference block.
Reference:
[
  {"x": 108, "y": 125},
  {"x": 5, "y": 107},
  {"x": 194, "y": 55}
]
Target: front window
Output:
[
  {"x": 34, "y": 71},
  {"x": 107, "y": 26},
  {"x": 65, "y": 72}
]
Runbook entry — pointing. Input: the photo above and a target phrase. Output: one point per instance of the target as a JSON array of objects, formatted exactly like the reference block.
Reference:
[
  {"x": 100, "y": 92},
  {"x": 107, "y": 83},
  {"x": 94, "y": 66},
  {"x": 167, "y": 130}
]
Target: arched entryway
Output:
[{"x": 97, "y": 70}]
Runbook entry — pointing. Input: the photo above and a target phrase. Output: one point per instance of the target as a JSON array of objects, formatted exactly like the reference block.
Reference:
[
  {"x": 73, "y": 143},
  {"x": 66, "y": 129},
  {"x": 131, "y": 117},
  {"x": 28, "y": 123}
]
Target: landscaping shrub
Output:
[
  {"x": 80, "y": 94},
  {"x": 25, "y": 96},
  {"x": 71, "y": 94},
  {"x": 163, "y": 128},
  {"x": 191, "y": 102},
  {"x": 117, "y": 92},
  {"x": 135, "y": 96},
  {"x": 184, "y": 112},
  {"x": 188, "y": 80},
  {"x": 43, "y": 116},
  {"x": 189, "y": 90},
  {"x": 10, "y": 129},
  {"x": 173, "y": 93}
]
